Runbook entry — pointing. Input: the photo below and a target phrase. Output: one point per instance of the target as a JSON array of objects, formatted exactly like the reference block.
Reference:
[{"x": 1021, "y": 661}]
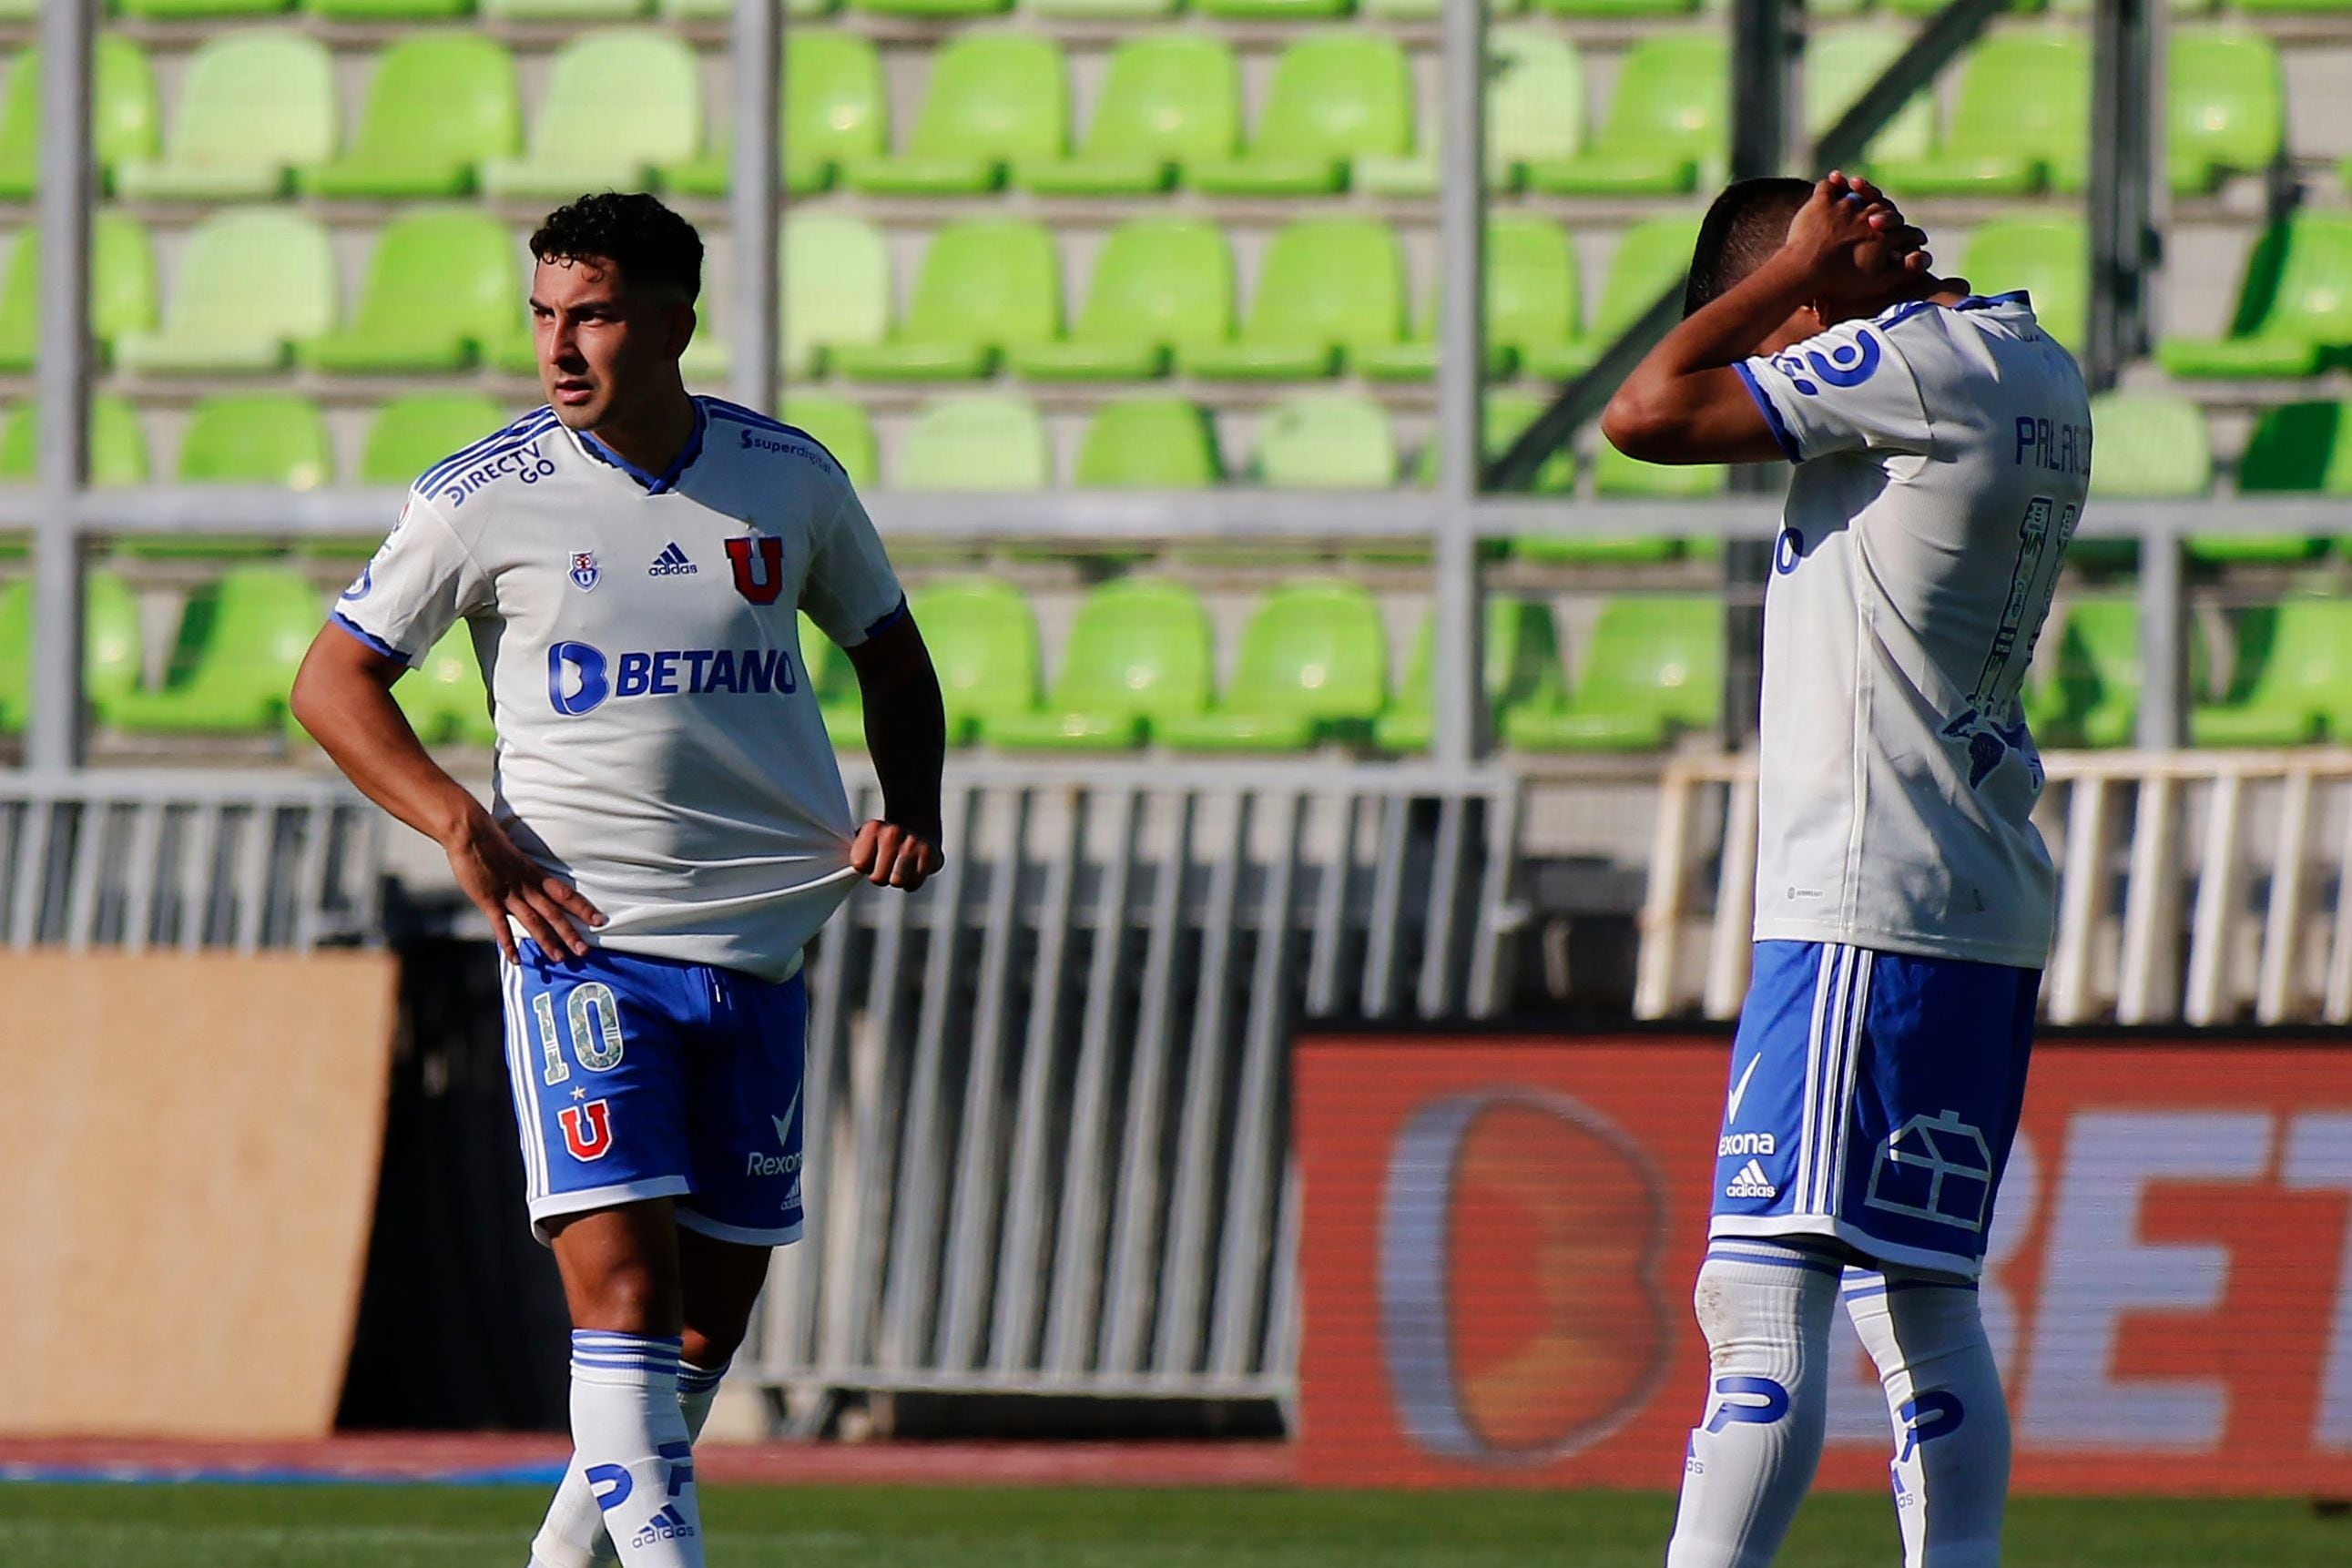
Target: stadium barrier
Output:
[{"x": 1500, "y": 1234}]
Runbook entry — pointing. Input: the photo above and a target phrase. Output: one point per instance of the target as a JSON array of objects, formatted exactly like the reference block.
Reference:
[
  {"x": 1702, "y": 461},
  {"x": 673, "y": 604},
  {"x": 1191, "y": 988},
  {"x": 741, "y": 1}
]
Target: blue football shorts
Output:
[
  {"x": 641, "y": 1077},
  {"x": 1873, "y": 1098}
]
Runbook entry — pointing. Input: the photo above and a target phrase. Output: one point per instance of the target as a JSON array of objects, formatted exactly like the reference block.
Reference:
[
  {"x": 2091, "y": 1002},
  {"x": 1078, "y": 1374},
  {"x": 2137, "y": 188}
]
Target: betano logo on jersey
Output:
[{"x": 579, "y": 678}]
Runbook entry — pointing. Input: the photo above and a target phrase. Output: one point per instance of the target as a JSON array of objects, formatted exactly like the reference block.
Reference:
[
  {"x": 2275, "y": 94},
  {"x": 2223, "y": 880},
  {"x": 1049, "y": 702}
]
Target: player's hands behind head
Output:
[
  {"x": 1854, "y": 246},
  {"x": 510, "y": 889},
  {"x": 889, "y": 856}
]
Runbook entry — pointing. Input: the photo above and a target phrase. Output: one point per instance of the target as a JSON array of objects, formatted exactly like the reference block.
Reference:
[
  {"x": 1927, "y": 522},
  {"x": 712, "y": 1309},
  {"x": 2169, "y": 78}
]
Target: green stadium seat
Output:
[
  {"x": 442, "y": 695},
  {"x": 1274, "y": 10},
  {"x": 252, "y": 282},
  {"x": 1138, "y": 653},
  {"x": 1169, "y": 100},
  {"x": 836, "y": 287},
  {"x": 2089, "y": 693},
  {"x": 121, "y": 289},
  {"x": 410, "y": 434},
  {"x": 1532, "y": 303},
  {"x": 1325, "y": 441},
  {"x": 1149, "y": 442},
  {"x": 1840, "y": 66},
  {"x": 2294, "y": 306},
  {"x": 254, "y": 107},
  {"x": 1652, "y": 668},
  {"x": 833, "y": 107},
  {"x": 439, "y": 105},
  {"x": 126, "y": 116},
  {"x": 563, "y": 10},
  {"x": 439, "y": 286},
  {"x": 2151, "y": 446},
  {"x": 1104, "y": 10},
  {"x": 986, "y": 287},
  {"x": 2022, "y": 119},
  {"x": 118, "y": 443},
  {"x": 2287, "y": 7},
  {"x": 942, "y": 8},
  {"x": 244, "y": 438},
  {"x": 389, "y": 11},
  {"x": 621, "y": 102},
  {"x": 2225, "y": 105},
  {"x": 1508, "y": 413},
  {"x": 241, "y": 639},
  {"x": 1665, "y": 124},
  {"x": 842, "y": 428},
  {"x": 1158, "y": 284},
  {"x": 834, "y": 681},
  {"x": 2293, "y": 447},
  {"x": 1651, "y": 257},
  {"x": 2048, "y": 257},
  {"x": 2295, "y": 685},
  {"x": 1615, "y": 474},
  {"x": 1313, "y": 666},
  {"x": 1929, "y": 7},
  {"x": 201, "y": 10},
  {"x": 983, "y": 644},
  {"x": 1535, "y": 111},
  {"x": 976, "y": 443},
  {"x": 1333, "y": 98},
  {"x": 1522, "y": 673},
  {"x": 995, "y": 98},
  {"x": 1326, "y": 288},
  {"x": 1627, "y": 8},
  {"x": 109, "y": 641}
]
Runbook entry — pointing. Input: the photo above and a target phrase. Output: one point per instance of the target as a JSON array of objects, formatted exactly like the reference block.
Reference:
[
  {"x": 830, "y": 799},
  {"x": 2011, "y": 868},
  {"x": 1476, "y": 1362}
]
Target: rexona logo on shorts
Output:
[{"x": 581, "y": 678}]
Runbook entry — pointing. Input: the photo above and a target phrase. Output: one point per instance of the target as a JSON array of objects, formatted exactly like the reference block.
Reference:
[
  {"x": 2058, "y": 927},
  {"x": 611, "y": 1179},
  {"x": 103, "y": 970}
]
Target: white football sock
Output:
[
  {"x": 1765, "y": 1307},
  {"x": 631, "y": 1449},
  {"x": 1951, "y": 1423},
  {"x": 572, "y": 1535}
]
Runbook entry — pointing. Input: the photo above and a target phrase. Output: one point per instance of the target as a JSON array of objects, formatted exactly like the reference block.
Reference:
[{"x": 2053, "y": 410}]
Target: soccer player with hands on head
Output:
[
  {"x": 1941, "y": 445},
  {"x": 667, "y": 829}
]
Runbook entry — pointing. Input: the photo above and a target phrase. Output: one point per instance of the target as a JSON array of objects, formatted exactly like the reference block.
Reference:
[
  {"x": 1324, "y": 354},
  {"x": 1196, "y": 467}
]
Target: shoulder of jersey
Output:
[
  {"x": 511, "y": 450},
  {"x": 1911, "y": 309},
  {"x": 746, "y": 430}
]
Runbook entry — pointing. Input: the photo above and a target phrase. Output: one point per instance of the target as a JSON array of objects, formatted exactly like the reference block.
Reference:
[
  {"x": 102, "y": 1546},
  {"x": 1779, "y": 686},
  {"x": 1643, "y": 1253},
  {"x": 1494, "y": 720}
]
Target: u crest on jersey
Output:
[{"x": 759, "y": 564}]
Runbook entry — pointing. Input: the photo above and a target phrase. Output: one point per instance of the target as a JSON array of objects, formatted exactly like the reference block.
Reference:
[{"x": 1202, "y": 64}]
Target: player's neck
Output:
[{"x": 652, "y": 437}]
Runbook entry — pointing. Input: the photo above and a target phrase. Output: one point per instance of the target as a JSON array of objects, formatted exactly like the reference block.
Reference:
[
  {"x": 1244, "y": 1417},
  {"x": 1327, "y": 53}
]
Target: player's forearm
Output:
[
  {"x": 351, "y": 714},
  {"x": 1683, "y": 402},
  {"x": 905, "y": 734}
]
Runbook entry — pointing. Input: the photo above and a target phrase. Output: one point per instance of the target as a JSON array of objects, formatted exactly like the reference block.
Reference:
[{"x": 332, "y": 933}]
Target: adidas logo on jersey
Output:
[
  {"x": 671, "y": 562},
  {"x": 1751, "y": 1182},
  {"x": 668, "y": 1525}
]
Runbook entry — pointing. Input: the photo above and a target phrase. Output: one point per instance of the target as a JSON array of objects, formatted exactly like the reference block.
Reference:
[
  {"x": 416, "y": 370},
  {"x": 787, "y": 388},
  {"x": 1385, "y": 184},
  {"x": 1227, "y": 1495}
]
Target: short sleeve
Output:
[
  {"x": 421, "y": 581},
  {"x": 850, "y": 592},
  {"x": 1848, "y": 389}
]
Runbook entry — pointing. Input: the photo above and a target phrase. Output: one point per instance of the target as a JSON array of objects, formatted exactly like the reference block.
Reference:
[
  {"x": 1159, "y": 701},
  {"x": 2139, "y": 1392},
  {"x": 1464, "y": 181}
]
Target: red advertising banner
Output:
[{"x": 1501, "y": 1233}]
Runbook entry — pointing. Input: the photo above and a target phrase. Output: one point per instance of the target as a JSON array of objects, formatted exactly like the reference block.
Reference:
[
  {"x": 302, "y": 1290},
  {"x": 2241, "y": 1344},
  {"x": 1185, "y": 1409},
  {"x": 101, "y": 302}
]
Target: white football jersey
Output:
[
  {"x": 657, "y": 742},
  {"x": 1942, "y": 457}
]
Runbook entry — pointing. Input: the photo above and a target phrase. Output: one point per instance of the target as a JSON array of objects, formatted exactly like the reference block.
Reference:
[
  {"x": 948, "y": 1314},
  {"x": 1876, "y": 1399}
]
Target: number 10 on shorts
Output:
[{"x": 592, "y": 1018}]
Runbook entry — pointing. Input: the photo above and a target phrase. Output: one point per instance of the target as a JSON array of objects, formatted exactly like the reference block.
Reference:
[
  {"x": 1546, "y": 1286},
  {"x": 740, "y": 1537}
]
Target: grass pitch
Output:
[{"x": 489, "y": 1527}]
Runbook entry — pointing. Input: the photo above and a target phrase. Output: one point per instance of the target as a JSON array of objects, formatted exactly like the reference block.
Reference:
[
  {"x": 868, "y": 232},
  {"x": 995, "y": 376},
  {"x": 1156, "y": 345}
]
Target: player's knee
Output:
[
  {"x": 631, "y": 1297},
  {"x": 712, "y": 1344}
]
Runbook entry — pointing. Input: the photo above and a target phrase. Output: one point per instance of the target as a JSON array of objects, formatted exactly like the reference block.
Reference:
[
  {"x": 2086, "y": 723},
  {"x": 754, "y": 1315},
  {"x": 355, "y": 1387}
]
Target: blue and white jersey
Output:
[
  {"x": 1943, "y": 454},
  {"x": 657, "y": 742}
]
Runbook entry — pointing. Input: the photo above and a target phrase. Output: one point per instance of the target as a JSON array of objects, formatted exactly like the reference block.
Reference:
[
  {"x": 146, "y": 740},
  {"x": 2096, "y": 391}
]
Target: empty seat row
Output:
[
  {"x": 2291, "y": 683},
  {"x": 2293, "y": 314},
  {"x": 258, "y": 117}
]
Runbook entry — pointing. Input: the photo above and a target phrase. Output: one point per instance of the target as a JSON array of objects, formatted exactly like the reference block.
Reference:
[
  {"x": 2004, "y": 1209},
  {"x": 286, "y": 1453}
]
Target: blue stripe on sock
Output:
[{"x": 692, "y": 1379}]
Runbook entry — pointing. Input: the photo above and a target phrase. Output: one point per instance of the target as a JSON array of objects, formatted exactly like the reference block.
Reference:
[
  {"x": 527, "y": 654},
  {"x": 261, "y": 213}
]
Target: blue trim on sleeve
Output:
[
  {"x": 1902, "y": 313},
  {"x": 1987, "y": 301},
  {"x": 360, "y": 633},
  {"x": 898, "y": 613},
  {"x": 1772, "y": 416}
]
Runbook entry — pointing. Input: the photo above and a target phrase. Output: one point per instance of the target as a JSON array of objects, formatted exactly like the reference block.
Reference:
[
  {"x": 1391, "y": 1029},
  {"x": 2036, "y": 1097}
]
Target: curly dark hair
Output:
[{"x": 652, "y": 246}]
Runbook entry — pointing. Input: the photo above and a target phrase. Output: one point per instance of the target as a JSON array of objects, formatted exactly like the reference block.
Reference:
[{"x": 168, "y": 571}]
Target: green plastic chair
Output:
[
  {"x": 411, "y": 435},
  {"x": 995, "y": 98},
  {"x": 244, "y": 438},
  {"x": 1507, "y": 414},
  {"x": 1150, "y": 443},
  {"x": 944, "y": 8},
  {"x": 1313, "y": 667},
  {"x": 1522, "y": 673},
  {"x": 976, "y": 443},
  {"x": 1324, "y": 441},
  {"x": 1535, "y": 111},
  {"x": 834, "y": 287},
  {"x": 2151, "y": 446},
  {"x": 1169, "y": 100},
  {"x": 390, "y": 11},
  {"x": 833, "y": 107},
  {"x": 1653, "y": 669},
  {"x": 834, "y": 681},
  {"x": 1327, "y": 288},
  {"x": 1138, "y": 653},
  {"x": 843, "y": 428},
  {"x": 118, "y": 443},
  {"x": 121, "y": 289},
  {"x": 439, "y": 286},
  {"x": 254, "y": 107},
  {"x": 1160, "y": 285},
  {"x": 2297, "y": 685},
  {"x": 439, "y": 105},
  {"x": 2294, "y": 306},
  {"x": 1929, "y": 7},
  {"x": 241, "y": 639},
  {"x": 1840, "y": 66},
  {"x": 620, "y": 103},
  {"x": 109, "y": 641},
  {"x": 563, "y": 10},
  {"x": 983, "y": 644},
  {"x": 1618, "y": 8},
  {"x": 1615, "y": 474},
  {"x": 1665, "y": 124},
  {"x": 1274, "y": 10},
  {"x": 2049, "y": 257},
  {"x": 1532, "y": 303},
  {"x": 1332, "y": 98},
  {"x": 126, "y": 116},
  {"x": 2293, "y": 447},
  {"x": 2022, "y": 119},
  {"x": 2225, "y": 105},
  {"x": 1105, "y": 10},
  {"x": 442, "y": 695},
  {"x": 252, "y": 280},
  {"x": 192, "y": 10},
  {"x": 1651, "y": 257},
  {"x": 986, "y": 287},
  {"x": 2088, "y": 694}
]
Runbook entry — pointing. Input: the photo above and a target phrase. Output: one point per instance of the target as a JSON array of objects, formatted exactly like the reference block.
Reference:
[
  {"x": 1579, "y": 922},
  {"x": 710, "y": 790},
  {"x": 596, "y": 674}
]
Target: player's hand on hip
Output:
[
  {"x": 890, "y": 855},
  {"x": 510, "y": 889}
]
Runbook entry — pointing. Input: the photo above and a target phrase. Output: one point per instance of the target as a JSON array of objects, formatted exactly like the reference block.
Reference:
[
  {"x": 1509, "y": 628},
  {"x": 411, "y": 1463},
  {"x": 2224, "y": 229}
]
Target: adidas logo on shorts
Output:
[
  {"x": 1751, "y": 1182},
  {"x": 671, "y": 562},
  {"x": 668, "y": 1525}
]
